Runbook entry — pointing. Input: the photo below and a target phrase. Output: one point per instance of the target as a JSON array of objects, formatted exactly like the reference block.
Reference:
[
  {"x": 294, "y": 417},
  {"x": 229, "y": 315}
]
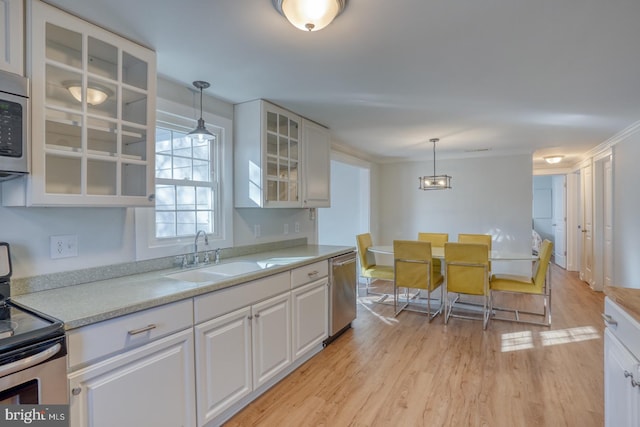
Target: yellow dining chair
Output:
[
  {"x": 477, "y": 238},
  {"x": 437, "y": 240},
  {"x": 539, "y": 284},
  {"x": 467, "y": 272},
  {"x": 413, "y": 270},
  {"x": 368, "y": 267}
]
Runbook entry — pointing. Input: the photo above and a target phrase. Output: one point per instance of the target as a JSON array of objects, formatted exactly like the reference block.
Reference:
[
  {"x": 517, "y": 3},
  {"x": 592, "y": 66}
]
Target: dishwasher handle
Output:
[{"x": 341, "y": 263}]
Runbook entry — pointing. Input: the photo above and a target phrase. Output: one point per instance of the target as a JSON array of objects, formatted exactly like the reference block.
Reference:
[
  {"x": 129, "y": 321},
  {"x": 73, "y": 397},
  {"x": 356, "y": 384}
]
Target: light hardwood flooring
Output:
[{"x": 404, "y": 371}]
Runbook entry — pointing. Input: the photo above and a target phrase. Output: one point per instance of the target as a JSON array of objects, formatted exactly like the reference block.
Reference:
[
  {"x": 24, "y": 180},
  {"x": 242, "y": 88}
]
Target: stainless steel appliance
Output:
[
  {"x": 33, "y": 366},
  {"x": 14, "y": 125},
  {"x": 342, "y": 294}
]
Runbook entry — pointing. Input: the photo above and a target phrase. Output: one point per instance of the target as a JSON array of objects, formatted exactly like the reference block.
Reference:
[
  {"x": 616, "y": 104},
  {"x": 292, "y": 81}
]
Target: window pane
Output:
[
  {"x": 182, "y": 168},
  {"x": 204, "y": 198},
  {"x": 201, "y": 170},
  {"x": 163, "y": 166},
  {"x": 165, "y": 197},
  {"x": 204, "y": 221},
  {"x": 186, "y": 198},
  {"x": 165, "y": 224},
  {"x": 186, "y": 223},
  {"x": 201, "y": 150}
]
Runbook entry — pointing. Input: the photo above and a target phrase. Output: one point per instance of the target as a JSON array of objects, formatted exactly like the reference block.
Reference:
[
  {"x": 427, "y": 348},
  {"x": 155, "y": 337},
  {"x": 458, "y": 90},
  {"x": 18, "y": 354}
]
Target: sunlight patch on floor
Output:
[
  {"x": 526, "y": 340},
  {"x": 387, "y": 320},
  {"x": 563, "y": 336}
]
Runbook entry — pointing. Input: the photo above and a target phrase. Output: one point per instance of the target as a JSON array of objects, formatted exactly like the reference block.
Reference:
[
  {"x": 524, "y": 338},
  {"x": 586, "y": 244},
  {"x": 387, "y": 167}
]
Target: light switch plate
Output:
[{"x": 63, "y": 246}]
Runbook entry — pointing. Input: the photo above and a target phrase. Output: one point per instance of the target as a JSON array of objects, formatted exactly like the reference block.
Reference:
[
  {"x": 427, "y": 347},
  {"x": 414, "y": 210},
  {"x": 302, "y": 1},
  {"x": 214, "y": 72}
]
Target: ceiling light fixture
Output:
[
  {"x": 552, "y": 160},
  {"x": 434, "y": 182},
  {"x": 96, "y": 94},
  {"x": 200, "y": 133},
  {"x": 310, "y": 15}
]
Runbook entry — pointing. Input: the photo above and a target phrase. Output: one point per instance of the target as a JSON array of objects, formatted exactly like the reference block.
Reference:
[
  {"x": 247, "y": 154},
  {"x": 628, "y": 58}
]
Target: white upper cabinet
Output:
[
  {"x": 93, "y": 97},
  {"x": 316, "y": 173},
  {"x": 12, "y": 36},
  {"x": 270, "y": 159}
]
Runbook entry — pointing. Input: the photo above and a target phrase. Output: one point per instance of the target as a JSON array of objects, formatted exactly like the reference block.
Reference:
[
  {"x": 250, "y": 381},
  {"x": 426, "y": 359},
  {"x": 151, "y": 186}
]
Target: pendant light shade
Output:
[
  {"x": 434, "y": 182},
  {"x": 310, "y": 15},
  {"x": 201, "y": 133}
]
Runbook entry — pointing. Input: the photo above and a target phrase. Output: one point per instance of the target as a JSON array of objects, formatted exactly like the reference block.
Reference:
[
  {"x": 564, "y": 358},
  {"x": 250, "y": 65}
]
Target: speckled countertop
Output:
[
  {"x": 87, "y": 303},
  {"x": 627, "y": 298}
]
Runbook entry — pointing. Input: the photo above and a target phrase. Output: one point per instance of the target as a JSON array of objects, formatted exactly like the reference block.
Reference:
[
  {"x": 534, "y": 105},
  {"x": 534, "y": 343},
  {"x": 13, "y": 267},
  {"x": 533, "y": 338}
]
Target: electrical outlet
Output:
[
  {"x": 63, "y": 246},
  {"x": 286, "y": 229},
  {"x": 297, "y": 227},
  {"x": 256, "y": 230}
]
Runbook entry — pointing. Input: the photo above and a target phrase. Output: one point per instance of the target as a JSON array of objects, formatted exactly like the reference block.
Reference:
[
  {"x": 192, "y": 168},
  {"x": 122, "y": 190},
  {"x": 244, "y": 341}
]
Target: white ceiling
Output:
[{"x": 511, "y": 76}]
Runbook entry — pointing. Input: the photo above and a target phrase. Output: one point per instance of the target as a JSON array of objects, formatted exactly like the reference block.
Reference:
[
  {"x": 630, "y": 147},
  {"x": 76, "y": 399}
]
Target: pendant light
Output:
[
  {"x": 310, "y": 15},
  {"x": 434, "y": 182},
  {"x": 201, "y": 133}
]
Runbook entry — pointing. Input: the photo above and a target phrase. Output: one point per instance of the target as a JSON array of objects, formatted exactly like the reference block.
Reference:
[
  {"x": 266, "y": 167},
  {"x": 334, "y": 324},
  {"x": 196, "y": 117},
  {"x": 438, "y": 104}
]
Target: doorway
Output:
[{"x": 549, "y": 213}]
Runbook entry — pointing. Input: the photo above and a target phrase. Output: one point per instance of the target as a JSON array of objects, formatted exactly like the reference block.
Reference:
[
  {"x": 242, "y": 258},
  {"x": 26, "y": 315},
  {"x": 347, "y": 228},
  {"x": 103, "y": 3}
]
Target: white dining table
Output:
[{"x": 438, "y": 252}]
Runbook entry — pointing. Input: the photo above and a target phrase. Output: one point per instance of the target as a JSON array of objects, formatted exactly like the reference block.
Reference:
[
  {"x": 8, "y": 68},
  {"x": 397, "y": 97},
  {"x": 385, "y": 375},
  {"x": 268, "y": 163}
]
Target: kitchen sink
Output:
[
  {"x": 197, "y": 276},
  {"x": 216, "y": 272},
  {"x": 233, "y": 268}
]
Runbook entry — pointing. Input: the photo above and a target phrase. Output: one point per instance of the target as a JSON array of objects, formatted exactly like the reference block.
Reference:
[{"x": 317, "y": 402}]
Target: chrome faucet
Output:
[
  {"x": 216, "y": 256},
  {"x": 195, "y": 245}
]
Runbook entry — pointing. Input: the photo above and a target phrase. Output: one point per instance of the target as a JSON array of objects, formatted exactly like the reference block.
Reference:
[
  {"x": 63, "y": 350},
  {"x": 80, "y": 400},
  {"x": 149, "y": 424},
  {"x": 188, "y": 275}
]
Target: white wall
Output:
[
  {"x": 349, "y": 211},
  {"x": 543, "y": 206},
  {"x": 626, "y": 207},
  {"x": 489, "y": 195}
]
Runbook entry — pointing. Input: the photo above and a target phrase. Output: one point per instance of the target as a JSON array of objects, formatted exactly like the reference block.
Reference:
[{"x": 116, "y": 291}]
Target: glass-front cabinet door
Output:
[
  {"x": 93, "y": 98},
  {"x": 282, "y": 157}
]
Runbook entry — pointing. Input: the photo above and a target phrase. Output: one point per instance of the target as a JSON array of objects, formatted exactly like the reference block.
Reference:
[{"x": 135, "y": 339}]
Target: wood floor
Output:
[{"x": 404, "y": 371}]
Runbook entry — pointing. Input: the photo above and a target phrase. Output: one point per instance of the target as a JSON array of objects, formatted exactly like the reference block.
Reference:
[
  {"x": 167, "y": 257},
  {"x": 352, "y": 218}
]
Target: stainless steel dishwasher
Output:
[{"x": 342, "y": 294}]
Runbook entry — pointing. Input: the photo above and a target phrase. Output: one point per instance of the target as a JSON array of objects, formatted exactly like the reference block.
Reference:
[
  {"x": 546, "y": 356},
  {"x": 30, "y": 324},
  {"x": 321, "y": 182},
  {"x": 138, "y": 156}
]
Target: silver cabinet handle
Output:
[
  {"x": 257, "y": 315},
  {"x": 143, "y": 329},
  {"x": 76, "y": 391},
  {"x": 312, "y": 273},
  {"x": 628, "y": 374},
  {"x": 609, "y": 320}
]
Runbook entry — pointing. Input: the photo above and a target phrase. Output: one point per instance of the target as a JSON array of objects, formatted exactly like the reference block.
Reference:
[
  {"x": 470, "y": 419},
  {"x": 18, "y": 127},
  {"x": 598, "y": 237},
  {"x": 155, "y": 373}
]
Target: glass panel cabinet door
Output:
[
  {"x": 93, "y": 98},
  {"x": 282, "y": 157}
]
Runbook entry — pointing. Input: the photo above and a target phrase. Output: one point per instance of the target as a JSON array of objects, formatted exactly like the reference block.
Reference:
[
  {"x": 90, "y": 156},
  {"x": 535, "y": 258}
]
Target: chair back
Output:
[
  {"x": 367, "y": 260},
  {"x": 539, "y": 278},
  {"x": 475, "y": 238},
  {"x": 467, "y": 268},
  {"x": 436, "y": 239},
  {"x": 412, "y": 265}
]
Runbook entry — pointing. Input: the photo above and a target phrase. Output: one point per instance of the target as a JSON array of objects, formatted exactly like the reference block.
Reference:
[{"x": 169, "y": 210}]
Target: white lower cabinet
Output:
[
  {"x": 621, "y": 368},
  {"x": 310, "y": 320},
  {"x": 238, "y": 352},
  {"x": 152, "y": 385},
  {"x": 223, "y": 363},
  {"x": 271, "y": 338}
]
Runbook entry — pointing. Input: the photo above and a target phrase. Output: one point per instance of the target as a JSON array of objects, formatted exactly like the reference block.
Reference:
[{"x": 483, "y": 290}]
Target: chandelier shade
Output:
[{"x": 434, "y": 182}]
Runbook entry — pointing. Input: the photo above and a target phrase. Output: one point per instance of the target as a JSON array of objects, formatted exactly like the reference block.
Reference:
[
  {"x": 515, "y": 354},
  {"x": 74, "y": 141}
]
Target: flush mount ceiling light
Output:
[
  {"x": 201, "y": 133},
  {"x": 552, "y": 160},
  {"x": 96, "y": 94},
  {"x": 310, "y": 15},
  {"x": 434, "y": 182}
]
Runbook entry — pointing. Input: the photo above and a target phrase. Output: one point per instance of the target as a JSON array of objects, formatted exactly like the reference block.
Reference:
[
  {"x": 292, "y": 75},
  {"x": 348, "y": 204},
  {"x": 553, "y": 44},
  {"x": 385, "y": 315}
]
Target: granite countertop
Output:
[
  {"x": 627, "y": 298},
  {"x": 92, "y": 302}
]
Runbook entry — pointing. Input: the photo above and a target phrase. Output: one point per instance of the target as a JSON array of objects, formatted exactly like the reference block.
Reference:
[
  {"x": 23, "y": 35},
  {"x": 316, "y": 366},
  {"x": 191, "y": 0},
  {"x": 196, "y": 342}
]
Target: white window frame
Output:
[{"x": 147, "y": 245}]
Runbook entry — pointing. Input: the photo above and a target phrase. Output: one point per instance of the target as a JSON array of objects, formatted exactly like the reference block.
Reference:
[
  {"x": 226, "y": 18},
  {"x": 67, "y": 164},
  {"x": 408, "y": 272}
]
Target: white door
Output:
[
  {"x": 559, "y": 223},
  {"x": 310, "y": 316},
  {"x": 149, "y": 386},
  {"x": 608, "y": 223},
  {"x": 316, "y": 176},
  {"x": 586, "y": 264},
  {"x": 271, "y": 338},
  {"x": 223, "y": 363}
]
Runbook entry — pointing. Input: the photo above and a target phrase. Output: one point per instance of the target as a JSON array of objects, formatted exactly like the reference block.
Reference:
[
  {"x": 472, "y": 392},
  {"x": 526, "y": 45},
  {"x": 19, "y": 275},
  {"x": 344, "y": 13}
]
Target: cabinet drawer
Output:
[
  {"x": 309, "y": 273},
  {"x": 625, "y": 328},
  {"x": 95, "y": 341},
  {"x": 227, "y": 300}
]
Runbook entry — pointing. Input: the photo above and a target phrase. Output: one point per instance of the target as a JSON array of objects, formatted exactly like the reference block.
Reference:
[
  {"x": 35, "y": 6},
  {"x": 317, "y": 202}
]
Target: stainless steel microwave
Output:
[{"x": 14, "y": 125}]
